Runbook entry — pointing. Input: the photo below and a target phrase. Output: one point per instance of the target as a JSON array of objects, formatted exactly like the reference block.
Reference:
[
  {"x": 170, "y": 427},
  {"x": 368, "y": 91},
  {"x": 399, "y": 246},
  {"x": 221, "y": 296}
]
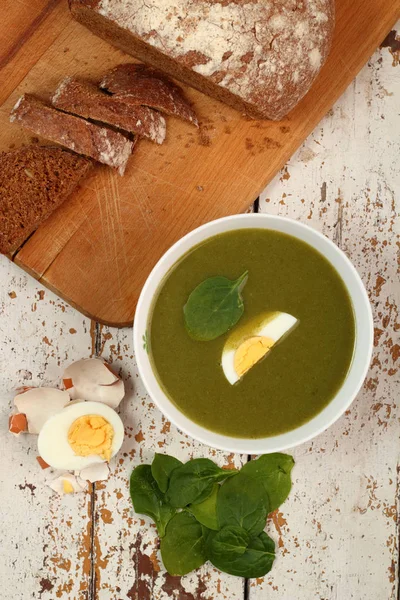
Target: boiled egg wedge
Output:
[
  {"x": 81, "y": 435},
  {"x": 250, "y": 343}
]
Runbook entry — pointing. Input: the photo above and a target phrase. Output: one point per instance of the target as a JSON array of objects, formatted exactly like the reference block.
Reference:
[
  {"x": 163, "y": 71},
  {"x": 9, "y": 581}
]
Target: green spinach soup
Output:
[{"x": 291, "y": 305}]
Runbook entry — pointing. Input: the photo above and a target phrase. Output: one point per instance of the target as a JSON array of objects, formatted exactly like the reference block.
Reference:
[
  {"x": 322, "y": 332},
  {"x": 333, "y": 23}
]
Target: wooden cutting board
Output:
[{"x": 98, "y": 248}]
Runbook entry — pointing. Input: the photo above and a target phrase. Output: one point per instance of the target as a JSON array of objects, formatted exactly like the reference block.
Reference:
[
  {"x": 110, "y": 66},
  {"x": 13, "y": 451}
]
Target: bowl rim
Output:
[{"x": 278, "y": 442}]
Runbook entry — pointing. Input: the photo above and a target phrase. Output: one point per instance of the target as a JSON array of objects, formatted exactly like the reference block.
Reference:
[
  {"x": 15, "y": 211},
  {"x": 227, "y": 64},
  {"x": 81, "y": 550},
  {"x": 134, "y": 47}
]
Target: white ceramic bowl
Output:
[{"x": 362, "y": 351}]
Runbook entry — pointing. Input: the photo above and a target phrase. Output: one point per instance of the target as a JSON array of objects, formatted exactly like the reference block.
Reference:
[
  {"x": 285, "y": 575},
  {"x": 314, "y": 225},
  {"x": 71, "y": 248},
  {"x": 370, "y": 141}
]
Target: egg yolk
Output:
[
  {"x": 250, "y": 352},
  {"x": 91, "y": 434},
  {"x": 67, "y": 487}
]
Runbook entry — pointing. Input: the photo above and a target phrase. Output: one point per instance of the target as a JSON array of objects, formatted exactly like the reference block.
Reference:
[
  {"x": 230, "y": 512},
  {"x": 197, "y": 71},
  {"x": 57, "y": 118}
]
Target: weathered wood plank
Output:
[
  {"x": 339, "y": 531},
  {"x": 128, "y": 562},
  {"x": 45, "y": 540}
]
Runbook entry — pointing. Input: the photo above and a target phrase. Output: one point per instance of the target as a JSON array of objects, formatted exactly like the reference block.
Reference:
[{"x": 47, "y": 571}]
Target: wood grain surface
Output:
[
  {"x": 98, "y": 248},
  {"x": 338, "y": 533}
]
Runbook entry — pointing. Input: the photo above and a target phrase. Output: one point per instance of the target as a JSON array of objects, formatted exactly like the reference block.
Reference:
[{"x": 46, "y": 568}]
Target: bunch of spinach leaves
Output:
[{"x": 203, "y": 512}]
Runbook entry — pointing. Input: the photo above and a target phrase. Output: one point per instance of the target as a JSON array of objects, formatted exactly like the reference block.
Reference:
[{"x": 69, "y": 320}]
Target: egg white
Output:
[
  {"x": 274, "y": 327},
  {"x": 53, "y": 438}
]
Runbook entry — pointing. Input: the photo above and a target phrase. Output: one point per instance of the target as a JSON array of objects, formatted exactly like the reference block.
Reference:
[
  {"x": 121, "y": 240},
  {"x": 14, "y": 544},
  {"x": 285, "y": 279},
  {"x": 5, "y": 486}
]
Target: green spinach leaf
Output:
[
  {"x": 183, "y": 547},
  {"x": 214, "y": 307},
  {"x": 161, "y": 469},
  {"x": 272, "y": 471},
  {"x": 148, "y": 499},
  {"x": 227, "y": 544},
  {"x": 244, "y": 503},
  {"x": 222, "y": 523},
  {"x": 206, "y": 533},
  {"x": 193, "y": 482},
  {"x": 206, "y": 511},
  {"x": 232, "y": 550}
]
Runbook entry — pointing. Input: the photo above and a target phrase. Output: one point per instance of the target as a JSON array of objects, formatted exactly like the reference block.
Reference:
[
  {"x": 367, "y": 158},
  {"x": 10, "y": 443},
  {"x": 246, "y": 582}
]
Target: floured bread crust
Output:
[{"x": 263, "y": 55}]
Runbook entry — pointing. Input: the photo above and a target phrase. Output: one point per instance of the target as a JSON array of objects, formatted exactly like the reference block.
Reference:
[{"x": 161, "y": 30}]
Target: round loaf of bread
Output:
[
  {"x": 260, "y": 56},
  {"x": 275, "y": 61}
]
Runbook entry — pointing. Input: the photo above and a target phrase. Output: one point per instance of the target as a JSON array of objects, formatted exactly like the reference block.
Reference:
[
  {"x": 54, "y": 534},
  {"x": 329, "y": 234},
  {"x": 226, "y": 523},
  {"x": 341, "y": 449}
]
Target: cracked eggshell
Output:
[
  {"x": 43, "y": 464},
  {"x": 96, "y": 472},
  {"x": 39, "y": 404},
  {"x": 93, "y": 380},
  {"x": 17, "y": 424},
  {"x": 67, "y": 481}
]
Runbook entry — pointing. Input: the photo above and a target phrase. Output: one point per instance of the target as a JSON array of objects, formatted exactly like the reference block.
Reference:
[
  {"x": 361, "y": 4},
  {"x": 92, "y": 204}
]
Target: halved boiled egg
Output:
[
  {"x": 81, "y": 435},
  {"x": 248, "y": 344}
]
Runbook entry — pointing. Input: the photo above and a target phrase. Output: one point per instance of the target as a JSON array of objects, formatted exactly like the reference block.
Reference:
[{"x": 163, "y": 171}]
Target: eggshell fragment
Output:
[
  {"x": 68, "y": 384},
  {"x": 96, "y": 472},
  {"x": 39, "y": 404},
  {"x": 24, "y": 388},
  {"x": 66, "y": 483},
  {"x": 43, "y": 464},
  {"x": 18, "y": 424},
  {"x": 93, "y": 380}
]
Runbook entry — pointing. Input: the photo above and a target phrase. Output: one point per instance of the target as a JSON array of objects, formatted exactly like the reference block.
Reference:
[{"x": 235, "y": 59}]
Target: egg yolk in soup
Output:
[
  {"x": 250, "y": 352},
  {"x": 91, "y": 434}
]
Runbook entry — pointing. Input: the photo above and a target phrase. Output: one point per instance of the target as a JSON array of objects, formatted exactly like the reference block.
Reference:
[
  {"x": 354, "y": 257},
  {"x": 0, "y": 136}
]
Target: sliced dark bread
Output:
[
  {"x": 34, "y": 181},
  {"x": 86, "y": 100},
  {"x": 100, "y": 143},
  {"x": 139, "y": 84}
]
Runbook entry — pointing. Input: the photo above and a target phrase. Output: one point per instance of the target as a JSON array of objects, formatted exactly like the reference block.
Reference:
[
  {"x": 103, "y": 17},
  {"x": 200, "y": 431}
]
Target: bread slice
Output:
[
  {"x": 34, "y": 181},
  {"x": 259, "y": 56},
  {"x": 101, "y": 143},
  {"x": 139, "y": 84},
  {"x": 86, "y": 100}
]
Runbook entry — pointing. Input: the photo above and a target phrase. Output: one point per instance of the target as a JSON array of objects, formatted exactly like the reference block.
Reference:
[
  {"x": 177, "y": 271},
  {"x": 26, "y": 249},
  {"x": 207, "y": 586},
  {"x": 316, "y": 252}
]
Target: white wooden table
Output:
[{"x": 337, "y": 535}]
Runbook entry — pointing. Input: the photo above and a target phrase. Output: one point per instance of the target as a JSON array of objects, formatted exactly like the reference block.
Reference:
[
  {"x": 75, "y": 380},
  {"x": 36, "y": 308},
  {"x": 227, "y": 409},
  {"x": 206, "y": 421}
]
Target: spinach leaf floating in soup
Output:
[
  {"x": 289, "y": 284},
  {"x": 214, "y": 307}
]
